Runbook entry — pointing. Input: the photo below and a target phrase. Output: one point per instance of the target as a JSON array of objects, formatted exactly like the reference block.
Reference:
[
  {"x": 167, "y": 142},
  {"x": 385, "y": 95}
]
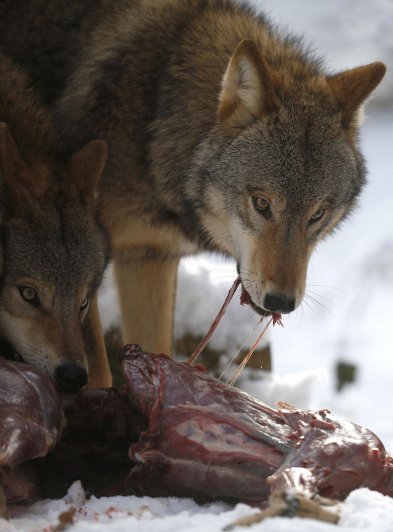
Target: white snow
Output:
[
  {"x": 364, "y": 510},
  {"x": 347, "y": 317},
  {"x": 345, "y": 33}
]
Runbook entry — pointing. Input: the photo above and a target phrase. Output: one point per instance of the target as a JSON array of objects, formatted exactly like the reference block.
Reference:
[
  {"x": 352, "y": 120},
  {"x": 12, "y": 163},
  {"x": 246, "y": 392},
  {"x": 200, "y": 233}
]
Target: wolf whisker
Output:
[
  {"x": 243, "y": 270},
  {"x": 321, "y": 306}
]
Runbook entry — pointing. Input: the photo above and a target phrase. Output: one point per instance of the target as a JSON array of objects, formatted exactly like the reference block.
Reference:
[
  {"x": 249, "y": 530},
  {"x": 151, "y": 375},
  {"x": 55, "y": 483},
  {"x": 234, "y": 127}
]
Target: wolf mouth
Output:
[{"x": 245, "y": 299}]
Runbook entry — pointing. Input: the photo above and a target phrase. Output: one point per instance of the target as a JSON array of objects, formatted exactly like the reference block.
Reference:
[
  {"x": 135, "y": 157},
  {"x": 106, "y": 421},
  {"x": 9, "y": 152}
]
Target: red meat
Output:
[
  {"x": 206, "y": 439},
  {"x": 173, "y": 430}
]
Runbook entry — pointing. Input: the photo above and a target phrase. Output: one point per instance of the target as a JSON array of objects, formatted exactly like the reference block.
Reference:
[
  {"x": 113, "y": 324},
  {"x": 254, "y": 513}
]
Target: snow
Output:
[
  {"x": 346, "y": 318},
  {"x": 364, "y": 510},
  {"x": 367, "y": 510},
  {"x": 346, "y": 34}
]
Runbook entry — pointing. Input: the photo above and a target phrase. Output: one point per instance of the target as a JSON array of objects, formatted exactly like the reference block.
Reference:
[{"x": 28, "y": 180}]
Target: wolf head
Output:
[
  {"x": 281, "y": 169},
  {"x": 54, "y": 255}
]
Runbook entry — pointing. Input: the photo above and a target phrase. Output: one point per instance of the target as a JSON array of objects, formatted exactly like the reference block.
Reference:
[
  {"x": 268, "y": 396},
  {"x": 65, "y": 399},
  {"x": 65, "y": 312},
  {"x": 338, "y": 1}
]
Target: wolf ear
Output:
[
  {"x": 247, "y": 87},
  {"x": 352, "y": 87},
  {"x": 85, "y": 169},
  {"x": 15, "y": 172}
]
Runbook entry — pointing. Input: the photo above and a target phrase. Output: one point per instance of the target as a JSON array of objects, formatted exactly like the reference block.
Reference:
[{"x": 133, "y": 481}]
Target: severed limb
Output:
[{"x": 293, "y": 503}]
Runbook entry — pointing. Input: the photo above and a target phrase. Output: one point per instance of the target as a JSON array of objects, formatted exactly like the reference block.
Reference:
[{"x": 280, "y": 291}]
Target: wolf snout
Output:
[
  {"x": 281, "y": 303},
  {"x": 70, "y": 377}
]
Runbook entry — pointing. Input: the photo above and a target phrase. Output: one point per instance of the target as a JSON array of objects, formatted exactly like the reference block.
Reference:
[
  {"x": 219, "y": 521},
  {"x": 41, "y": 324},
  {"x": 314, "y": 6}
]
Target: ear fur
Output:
[
  {"x": 352, "y": 87},
  {"x": 85, "y": 169},
  {"x": 247, "y": 87}
]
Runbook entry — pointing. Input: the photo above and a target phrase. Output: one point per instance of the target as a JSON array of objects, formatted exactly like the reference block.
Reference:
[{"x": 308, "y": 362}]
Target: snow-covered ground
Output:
[
  {"x": 364, "y": 510},
  {"x": 347, "y": 317}
]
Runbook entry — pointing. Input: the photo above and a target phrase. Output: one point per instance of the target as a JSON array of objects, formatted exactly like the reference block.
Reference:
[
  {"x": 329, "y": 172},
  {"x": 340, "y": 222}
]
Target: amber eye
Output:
[
  {"x": 30, "y": 295},
  {"x": 261, "y": 204},
  {"x": 317, "y": 216},
  {"x": 85, "y": 304}
]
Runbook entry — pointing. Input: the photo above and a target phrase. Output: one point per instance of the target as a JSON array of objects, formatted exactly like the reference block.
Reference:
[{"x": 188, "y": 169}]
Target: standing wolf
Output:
[
  {"x": 52, "y": 249},
  {"x": 224, "y": 135}
]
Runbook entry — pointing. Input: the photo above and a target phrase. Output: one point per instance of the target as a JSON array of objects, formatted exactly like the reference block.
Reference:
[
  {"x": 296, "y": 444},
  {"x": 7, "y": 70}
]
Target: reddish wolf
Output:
[
  {"x": 53, "y": 250},
  {"x": 224, "y": 135}
]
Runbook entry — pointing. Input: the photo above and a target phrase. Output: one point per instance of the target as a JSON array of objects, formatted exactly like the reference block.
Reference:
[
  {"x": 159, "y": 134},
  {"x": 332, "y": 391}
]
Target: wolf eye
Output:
[
  {"x": 317, "y": 216},
  {"x": 261, "y": 205},
  {"x": 85, "y": 304},
  {"x": 30, "y": 295}
]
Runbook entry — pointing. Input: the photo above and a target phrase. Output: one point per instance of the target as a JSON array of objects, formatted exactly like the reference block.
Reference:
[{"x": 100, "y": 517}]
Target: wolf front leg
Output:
[
  {"x": 147, "y": 291},
  {"x": 99, "y": 371}
]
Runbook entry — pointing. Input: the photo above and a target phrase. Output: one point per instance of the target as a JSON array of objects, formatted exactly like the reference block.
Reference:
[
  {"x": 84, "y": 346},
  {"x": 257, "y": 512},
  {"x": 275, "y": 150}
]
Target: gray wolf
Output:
[
  {"x": 53, "y": 250},
  {"x": 224, "y": 135}
]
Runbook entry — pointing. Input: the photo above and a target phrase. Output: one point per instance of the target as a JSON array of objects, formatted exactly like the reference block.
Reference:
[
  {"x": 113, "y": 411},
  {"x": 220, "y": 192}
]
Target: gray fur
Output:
[{"x": 184, "y": 168}]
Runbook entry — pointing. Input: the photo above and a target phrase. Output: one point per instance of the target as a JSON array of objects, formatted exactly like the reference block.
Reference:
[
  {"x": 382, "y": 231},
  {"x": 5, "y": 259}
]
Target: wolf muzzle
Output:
[
  {"x": 70, "y": 377},
  {"x": 276, "y": 302}
]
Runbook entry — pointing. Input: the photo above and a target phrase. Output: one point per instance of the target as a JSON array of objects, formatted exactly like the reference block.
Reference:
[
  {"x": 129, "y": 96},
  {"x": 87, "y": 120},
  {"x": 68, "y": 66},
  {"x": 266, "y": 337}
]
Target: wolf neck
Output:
[{"x": 154, "y": 97}]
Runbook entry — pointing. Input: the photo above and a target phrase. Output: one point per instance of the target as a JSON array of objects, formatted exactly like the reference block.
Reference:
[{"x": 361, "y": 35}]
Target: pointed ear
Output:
[
  {"x": 85, "y": 169},
  {"x": 352, "y": 87},
  {"x": 247, "y": 87},
  {"x": 15, "y": 172}
]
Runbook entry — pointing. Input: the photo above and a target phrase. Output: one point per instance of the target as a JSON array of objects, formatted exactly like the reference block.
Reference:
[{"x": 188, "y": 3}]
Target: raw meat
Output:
[
  {"x": 31, "y": 421},
  {"x": 206, "y": 439},
  {"x": 173, "y": 430}
]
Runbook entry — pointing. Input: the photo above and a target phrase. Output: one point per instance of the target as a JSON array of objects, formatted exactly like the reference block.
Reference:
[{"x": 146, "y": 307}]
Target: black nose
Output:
[
  {"x": 70, "y": 377},
  {"x": 279, "y": 303}
]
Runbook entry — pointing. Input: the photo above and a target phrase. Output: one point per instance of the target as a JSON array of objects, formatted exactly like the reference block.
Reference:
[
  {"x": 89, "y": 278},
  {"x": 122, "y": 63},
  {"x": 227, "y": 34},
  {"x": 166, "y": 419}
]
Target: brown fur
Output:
[
  {"x": 352, "y": 87},
  {"x": 181, "y": 82},
  {"x": 38, "y": 194},
  {"x": 207, "y": 109}
]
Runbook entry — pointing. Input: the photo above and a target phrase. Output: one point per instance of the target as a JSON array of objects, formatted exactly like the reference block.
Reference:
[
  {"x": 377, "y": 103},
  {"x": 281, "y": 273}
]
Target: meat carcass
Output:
[
  {"x": 173, "y": 430},
  {"x": 31, "y": 422},
  {"x": 206, "y": 439}
]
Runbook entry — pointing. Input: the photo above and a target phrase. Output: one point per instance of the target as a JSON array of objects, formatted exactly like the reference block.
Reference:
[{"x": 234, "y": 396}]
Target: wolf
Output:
[
  {"x": 53, "y": 250},
  {"x": 224, "y": 134}
]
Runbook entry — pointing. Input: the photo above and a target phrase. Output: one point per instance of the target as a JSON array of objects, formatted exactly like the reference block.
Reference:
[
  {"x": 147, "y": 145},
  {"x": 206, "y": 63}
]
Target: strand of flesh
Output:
[{"x": 275, "y": 318}]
